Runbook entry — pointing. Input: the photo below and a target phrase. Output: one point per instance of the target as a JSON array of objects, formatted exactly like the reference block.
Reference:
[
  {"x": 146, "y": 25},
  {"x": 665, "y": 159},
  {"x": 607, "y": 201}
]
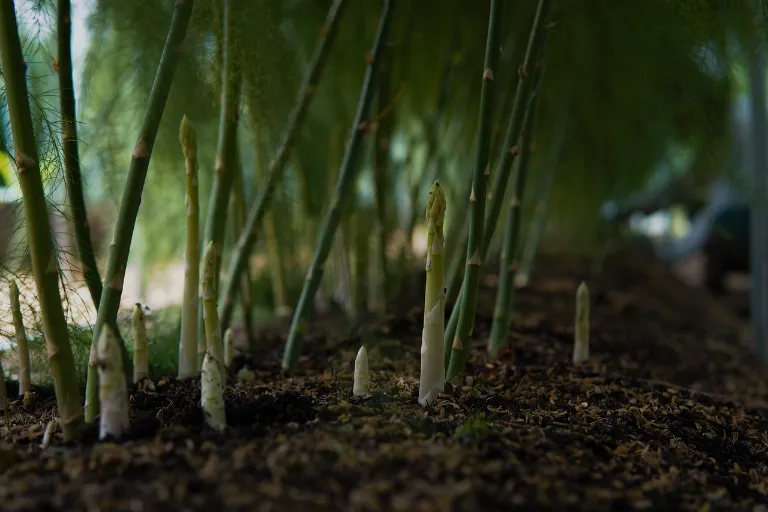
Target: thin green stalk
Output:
[
  {"x": 214, "y": 343},
  {"x": 131, "y": 200},
  {"x": 188, "y": 343},
  {"x": 460, "y": 345},
  {"x": 44, "y": 265},
  {"x": 25, "y": 381},
  {"x": 343, "y": 189},
  {"x": 539, "y": 220},
  {"x": 509, "y": 253},
  {"x": 509, "y": 151},
  {"x": 381, "y": 169},
  {"x": 238, "y": 223},
  {"x": 276, "y": 166},
  {"x": 274, "y": 245},
  {"x": 226, "y": 153},
  {"x": 70, "y": 150}
]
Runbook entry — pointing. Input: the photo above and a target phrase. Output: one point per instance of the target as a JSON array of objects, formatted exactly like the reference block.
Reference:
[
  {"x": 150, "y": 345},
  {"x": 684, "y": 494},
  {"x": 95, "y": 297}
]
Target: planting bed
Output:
[{"x": 671, "y": 413}]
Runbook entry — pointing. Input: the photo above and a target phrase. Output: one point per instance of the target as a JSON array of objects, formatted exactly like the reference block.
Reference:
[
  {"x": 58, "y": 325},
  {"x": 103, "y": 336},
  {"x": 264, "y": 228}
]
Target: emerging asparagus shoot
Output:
[
  {"x": 25, "y": 384},
  {"x": 213, "y": 340},
  {"x": 581, "y": 331},
  {"x": 113, "y": 392},
  {"x": 189, "y": 336},
  {"x": 229, "y": 347},
  {"x": 140, "y": 345},
  {"x": 362, "y": 382},
  {"x": 432, "y": 377},
  {"x": 212, "y": 393}
]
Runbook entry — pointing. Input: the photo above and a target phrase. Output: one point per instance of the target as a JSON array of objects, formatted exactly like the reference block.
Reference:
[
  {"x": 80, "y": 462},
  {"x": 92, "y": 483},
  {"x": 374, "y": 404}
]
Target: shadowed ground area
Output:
[{"x": 671, "y": 412}]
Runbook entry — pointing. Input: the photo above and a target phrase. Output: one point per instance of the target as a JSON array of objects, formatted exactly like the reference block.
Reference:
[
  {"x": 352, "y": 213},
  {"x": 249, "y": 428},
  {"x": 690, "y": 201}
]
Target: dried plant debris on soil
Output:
[{"x": 667, "y": 415}]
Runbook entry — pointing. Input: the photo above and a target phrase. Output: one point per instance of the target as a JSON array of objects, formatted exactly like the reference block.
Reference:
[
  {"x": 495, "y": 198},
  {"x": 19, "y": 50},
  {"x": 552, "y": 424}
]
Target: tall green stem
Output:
[
  {"x": 22, "y": 346},
  {"x": 188, "y": 344},
  {"x": 509, "y": 253},
  {"x": 120, "y": 245},
  {"x": 460, "y": 345},
  {"x": 343, "y": 190},
  {"x": 70, "y": 150},
  {"x": 226, "y": 155},
  {"x": 381, "y": 168},
  {"x": 44, "y": 265},
  {"x": 509, "y": 153},
  {"x": 276, "y": 166}
]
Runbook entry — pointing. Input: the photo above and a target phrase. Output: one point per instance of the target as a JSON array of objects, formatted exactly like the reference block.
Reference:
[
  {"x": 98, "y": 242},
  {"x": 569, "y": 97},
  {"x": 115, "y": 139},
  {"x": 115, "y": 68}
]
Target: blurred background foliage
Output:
[{"x": 630, "y": 87}]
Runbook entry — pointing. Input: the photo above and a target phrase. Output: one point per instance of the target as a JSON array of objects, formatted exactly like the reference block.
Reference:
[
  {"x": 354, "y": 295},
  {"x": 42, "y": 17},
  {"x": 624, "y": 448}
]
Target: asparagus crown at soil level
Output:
[
  {"x": 140, "y": 344},
  {"x": 362, "y": 377},
  {"x": 581, "y": 330},
  {"x": 188, "y": 138},
  {"x": 212, "y": 393},
  {"x": 188, "y": 361},
  {"x": 25, "y": 382},
  {"x": 113, "y": 392},
  {"x": 432, "y": 378},
  {"x": 39, "y": 238},
  {"x": 213, "y": 339}
]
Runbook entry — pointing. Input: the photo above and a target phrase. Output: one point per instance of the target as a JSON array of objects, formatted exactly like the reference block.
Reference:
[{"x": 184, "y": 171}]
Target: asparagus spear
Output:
[
  {"x": 212, "y": 393},
  {"x": 213, "y": 342},
  {"x": 432, "y": 350},
  {"x": 43, "y": 256},
  {"x": 113, "y": 392},
  {"x": 362, "y": 377},
  {"x": 25, "y": 383},
  {"x": 581, "y": 331}
]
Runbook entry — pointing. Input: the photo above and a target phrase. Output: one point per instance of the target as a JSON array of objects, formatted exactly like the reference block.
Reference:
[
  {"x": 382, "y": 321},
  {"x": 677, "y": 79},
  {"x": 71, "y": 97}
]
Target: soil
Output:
[{"x": 670, "y": 413}]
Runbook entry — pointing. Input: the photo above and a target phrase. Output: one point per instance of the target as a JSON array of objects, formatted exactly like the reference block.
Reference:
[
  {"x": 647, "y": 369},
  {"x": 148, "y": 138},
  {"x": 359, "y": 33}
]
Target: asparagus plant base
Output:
[{"x": 312, "y": 430}]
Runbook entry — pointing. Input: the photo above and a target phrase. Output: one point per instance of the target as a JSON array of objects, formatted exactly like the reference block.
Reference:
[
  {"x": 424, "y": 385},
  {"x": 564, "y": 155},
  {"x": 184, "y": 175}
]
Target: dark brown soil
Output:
[{"x": 671, "y": 413}]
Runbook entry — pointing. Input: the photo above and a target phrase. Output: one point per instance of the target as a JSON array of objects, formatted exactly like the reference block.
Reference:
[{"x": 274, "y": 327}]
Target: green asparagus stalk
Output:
[
  {"x": 25, "y": 382},
  {"x": 509, "y": 254},
  {"x": 213, "y": 341},
  {"x": 432, "y": 378},
  {"x": 229, "y": 347},
  {"x": 226, "y": 152},
  {"x": 460, "y": 345},
  {"x": 545, "y": 188},
  {"x": 343, "y": 190},
  {"x": 44, "y": 265},
  {"x": 140, "y": 345},
  {"x": 509, "y": 152},
  {"x": 70, "y": 151},
  {"x": 238, "y": 223},
  {"x": 276, "y": 166},
  {"x": 188, "y": 367},
  {"x": 113, "y": 392},
  {"x": 129, "y": 204},
  {"x": 581, "y": 330},
  {"x": 361, "y": 384},
  {"x": 212, "y": 393},
  {"x": 381, "y": 168},
  {"x": 275, "y": 255},
  {"x": 3, "y": 395}
]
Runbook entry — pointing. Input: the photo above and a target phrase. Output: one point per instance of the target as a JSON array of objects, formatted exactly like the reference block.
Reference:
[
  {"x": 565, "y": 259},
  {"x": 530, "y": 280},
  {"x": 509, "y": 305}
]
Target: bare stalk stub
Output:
[
  {"x": 212, "y": 393},
  {"x": 581, "y": 330},
  {"x": 113, "y": 392}
]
